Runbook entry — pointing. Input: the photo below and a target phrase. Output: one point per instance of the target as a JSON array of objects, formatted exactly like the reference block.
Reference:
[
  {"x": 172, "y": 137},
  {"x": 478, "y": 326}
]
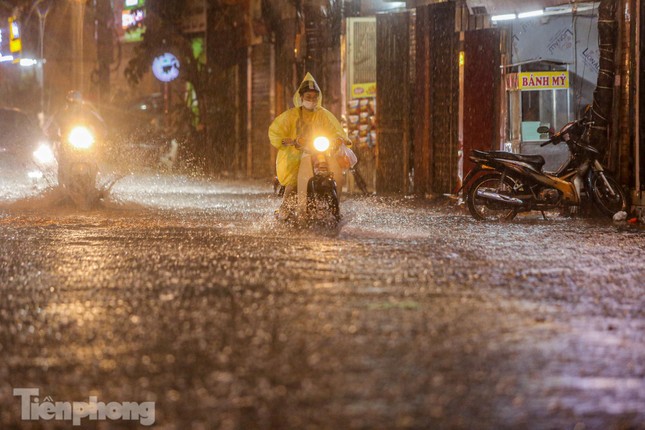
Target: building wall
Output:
[
  {"x": 480, "y": 92},
  {"x": 571, "y": 39},
  {"x": 261, "y": 111},
  {"x": 639, "y": 50},
  {"x": 436, "y": 105},
  {"x": 393, "y": 102}
]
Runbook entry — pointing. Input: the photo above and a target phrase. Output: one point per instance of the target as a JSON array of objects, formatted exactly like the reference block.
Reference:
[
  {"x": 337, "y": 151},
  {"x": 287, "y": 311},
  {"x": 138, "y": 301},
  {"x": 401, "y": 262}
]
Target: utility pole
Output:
[
  {"x": 42, "y": 9},
  {"x": 602, "y": 98},
  {"x": 77, "y": 24},
  {"x": 104, "y": 46}
]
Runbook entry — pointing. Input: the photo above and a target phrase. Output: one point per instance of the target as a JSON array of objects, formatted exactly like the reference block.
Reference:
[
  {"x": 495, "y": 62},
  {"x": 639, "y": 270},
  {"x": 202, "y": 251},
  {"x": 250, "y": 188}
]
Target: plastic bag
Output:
[{"x": 346, "y": 157}]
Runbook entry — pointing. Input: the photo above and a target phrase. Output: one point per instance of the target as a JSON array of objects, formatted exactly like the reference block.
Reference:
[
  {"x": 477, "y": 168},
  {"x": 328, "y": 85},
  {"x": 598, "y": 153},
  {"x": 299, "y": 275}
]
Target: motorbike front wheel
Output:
[
  {"x": 608, "y": 195},
  {"x": 485, "y": 209},
  {"x": 83, "y": 196},
  {"x": 323, "y": 209}
]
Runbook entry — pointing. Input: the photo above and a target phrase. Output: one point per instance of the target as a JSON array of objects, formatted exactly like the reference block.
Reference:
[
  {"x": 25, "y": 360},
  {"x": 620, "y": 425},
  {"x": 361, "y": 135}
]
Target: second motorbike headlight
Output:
[
  {"x": 44, "y": 154},
  {"x": 321, "y": 143},
  {"x": 81, "y": 138}
]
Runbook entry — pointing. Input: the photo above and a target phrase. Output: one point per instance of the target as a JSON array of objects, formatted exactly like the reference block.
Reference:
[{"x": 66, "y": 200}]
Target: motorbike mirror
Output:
[{"x": 543, "y": 129}]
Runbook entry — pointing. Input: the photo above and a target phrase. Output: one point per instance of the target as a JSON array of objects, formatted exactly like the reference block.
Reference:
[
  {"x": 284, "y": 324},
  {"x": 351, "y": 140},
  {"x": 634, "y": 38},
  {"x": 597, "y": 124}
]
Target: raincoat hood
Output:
[{"x": 307, "y": 82}]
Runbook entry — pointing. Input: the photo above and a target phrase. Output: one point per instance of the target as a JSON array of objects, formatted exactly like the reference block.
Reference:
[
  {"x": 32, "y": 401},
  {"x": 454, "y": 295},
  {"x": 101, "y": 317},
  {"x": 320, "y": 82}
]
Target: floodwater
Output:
[{"x": 187, "y": 293}]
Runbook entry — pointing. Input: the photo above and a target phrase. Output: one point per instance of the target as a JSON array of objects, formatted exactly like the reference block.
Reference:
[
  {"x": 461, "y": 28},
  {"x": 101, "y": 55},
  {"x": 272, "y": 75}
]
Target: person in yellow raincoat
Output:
[{"x": 300, "y": 122}]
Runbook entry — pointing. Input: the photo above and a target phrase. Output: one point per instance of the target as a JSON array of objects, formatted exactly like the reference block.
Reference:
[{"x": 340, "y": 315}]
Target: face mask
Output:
[{"x": 308, "y": 105}]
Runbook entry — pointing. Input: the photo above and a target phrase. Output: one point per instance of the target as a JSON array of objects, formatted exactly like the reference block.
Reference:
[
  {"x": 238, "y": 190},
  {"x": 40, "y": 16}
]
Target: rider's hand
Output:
[{"x": 296, "y": 143}]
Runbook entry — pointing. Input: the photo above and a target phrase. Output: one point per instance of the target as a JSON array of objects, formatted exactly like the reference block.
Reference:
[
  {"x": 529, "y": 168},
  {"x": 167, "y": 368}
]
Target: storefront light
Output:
[
  {"x": 556, "y": 10},
  {"x": 6, "y": 58},
  {"x": 28, "y": 62},
  {"x": 506, "y": 17},
  {"x": 531, "y": 14},
  {"x": 563, "y": 10}
]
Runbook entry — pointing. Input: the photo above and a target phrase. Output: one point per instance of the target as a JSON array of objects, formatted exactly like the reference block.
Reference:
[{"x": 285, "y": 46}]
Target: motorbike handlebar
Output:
[
  {"x": 554, "y": 140},
  {"x": 301, "y": 144},
  {"x": 291, "y": 142}
]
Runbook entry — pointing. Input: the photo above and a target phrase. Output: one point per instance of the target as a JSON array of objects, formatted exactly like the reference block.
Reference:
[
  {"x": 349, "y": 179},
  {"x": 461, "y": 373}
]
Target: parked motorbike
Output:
[
  {"x": 502, "y": 184},
  {"x": 319, "y": 178},
  {"x": 77, "y": 167}
]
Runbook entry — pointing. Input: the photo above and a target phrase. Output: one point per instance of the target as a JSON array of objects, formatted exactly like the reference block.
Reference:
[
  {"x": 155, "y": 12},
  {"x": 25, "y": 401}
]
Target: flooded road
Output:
[{"x": 187, "y": 293}]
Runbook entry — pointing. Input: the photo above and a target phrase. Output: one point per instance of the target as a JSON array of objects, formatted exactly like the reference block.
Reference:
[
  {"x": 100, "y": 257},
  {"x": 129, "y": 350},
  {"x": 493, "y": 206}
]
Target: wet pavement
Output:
[{"x": 187, "y": 293}]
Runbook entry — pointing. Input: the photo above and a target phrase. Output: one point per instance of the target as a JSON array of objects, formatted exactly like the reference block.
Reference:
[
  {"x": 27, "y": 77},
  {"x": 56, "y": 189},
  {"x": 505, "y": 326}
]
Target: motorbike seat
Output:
[{"x": 535, "y": 160}]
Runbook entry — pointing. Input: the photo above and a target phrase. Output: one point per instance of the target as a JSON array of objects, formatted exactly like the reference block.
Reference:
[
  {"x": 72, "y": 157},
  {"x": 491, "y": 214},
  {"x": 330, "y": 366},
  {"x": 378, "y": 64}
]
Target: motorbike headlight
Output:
[
  {"x": 81, "y": 138},
  {"x": 44, "y": 154},
  {"x": 321, "y": 143}
]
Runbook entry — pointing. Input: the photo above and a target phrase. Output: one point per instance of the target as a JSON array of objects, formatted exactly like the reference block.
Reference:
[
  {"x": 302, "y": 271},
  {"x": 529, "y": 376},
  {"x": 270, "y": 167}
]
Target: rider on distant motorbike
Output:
[
  {"x": 76, "y": 112},
  {"x": 306, "y": 117}
]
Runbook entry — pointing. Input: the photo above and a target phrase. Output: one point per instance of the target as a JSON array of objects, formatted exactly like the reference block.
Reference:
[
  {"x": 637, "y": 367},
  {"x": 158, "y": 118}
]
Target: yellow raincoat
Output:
[{"x": 292, "y": 124}]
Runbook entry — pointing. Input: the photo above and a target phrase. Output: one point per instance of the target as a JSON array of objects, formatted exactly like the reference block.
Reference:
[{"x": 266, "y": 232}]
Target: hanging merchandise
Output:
[{"x": 361, "y": 123}]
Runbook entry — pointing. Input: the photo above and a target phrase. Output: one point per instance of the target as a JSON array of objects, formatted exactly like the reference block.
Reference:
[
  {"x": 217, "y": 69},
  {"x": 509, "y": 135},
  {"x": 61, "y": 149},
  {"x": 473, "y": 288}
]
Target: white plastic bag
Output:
[
  {"x": 346, "y": 157},
  {"x": 620, "y": 216}
]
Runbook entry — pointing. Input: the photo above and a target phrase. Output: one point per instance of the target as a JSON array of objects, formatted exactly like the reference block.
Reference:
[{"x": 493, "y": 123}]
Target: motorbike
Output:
[
  {"x": 502, "y": 184},
  {"x": 320, "y": 177},
  {"x": 77, "y": 166}
]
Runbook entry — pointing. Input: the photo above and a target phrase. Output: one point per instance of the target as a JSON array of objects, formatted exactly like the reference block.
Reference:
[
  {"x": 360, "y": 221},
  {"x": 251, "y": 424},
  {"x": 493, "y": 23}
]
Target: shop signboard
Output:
[
  {"x": 537, "y": 81},
  {"x": 4, "y": 42},
  {"x": 15, "y": 44},
  {"x": 360, "y": 91},
  {"x": 511, "y": 82},
  {"x": 132, "y": 17},
  {"x": 534, "y": 81},
  {"x": 361, "y": 57}
]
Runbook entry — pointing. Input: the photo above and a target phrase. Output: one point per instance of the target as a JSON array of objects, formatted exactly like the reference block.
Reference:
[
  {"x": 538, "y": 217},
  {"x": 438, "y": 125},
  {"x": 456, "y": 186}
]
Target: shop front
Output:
[
  {"x": 360, "y": 91},
  {"x": 550, "y": 79},
  {"x": 539, "y": 94}
]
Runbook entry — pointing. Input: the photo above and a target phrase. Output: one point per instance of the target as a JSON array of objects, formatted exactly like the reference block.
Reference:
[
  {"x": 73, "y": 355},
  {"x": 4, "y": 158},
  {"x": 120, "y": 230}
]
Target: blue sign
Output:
[{"x": 165, "y": 67}]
